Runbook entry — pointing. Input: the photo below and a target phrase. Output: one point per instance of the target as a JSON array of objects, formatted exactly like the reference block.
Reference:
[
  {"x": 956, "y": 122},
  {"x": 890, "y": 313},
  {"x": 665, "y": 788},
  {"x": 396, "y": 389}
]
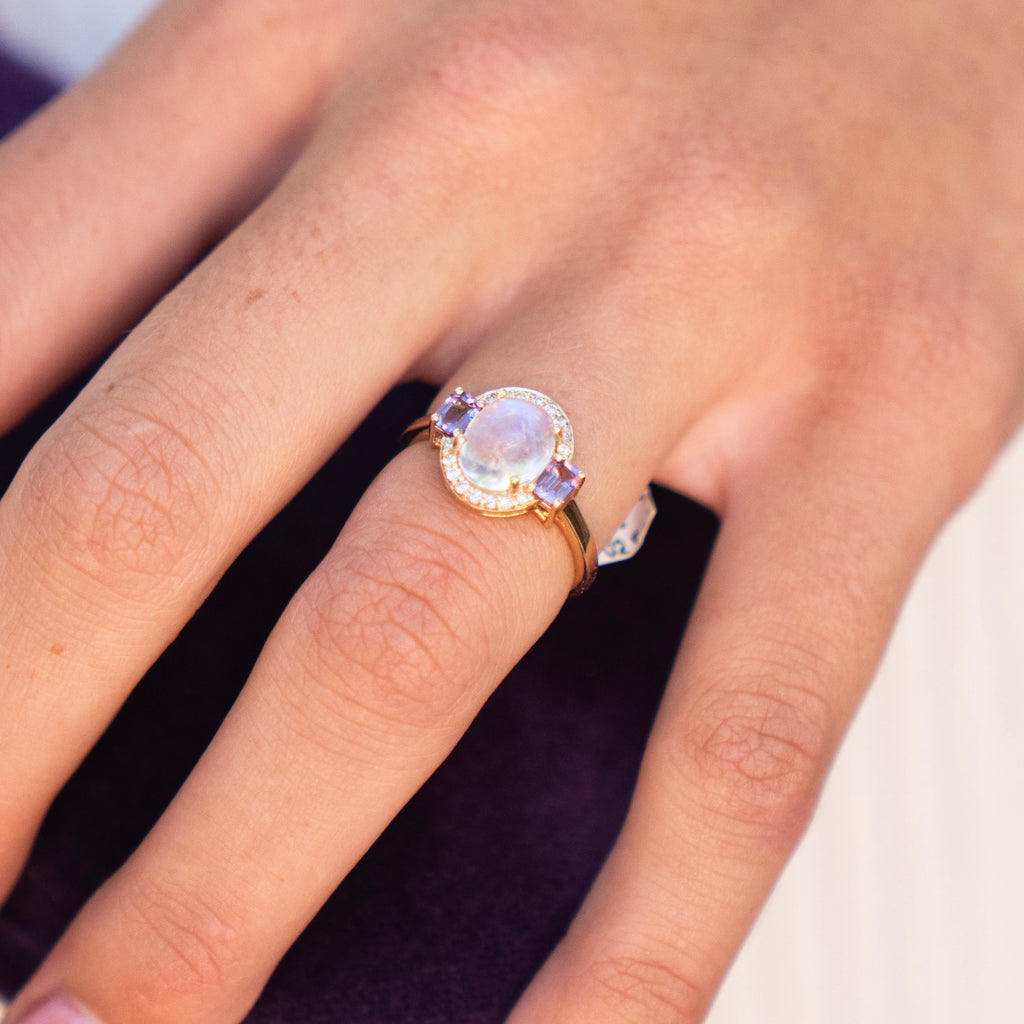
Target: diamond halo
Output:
[{"x": 554, "y": 484}]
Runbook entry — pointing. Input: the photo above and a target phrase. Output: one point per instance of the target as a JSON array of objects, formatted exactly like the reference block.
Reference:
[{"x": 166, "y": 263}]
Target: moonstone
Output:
[{"x": 507, "y": 438}]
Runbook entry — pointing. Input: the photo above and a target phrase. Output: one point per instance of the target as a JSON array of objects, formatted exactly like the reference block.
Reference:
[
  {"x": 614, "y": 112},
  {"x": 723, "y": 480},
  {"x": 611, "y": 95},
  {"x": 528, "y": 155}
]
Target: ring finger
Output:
[{"x": 376, "y": 668}]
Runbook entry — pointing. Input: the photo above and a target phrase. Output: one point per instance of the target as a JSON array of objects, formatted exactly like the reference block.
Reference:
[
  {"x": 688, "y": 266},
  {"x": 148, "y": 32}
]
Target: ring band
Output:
[{"x": 507, "y": 452}]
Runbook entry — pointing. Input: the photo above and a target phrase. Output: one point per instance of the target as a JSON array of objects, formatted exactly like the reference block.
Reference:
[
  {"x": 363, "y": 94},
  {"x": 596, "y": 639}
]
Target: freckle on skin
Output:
[
  {"x": 255, "y": 295},
  {"x": 57, "y": 649}
]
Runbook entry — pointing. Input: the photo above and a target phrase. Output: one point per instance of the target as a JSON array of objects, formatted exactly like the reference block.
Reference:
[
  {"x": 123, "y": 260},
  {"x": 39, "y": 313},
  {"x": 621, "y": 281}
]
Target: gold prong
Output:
[{"x": 544, "y": 511}]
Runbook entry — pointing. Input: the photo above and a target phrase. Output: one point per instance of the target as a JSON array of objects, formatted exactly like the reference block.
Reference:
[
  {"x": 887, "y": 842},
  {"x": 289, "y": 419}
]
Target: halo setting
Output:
[{"x": 506, "y": 452}]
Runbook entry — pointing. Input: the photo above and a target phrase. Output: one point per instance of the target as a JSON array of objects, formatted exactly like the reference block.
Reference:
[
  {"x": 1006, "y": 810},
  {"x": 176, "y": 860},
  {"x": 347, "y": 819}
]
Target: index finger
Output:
[{"x": 102, "y": 204}]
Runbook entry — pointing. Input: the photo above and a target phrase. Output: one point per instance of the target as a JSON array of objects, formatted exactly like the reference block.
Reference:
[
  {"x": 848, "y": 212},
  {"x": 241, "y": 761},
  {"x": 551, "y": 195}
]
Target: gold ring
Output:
[{"x": 507, "y": 452}]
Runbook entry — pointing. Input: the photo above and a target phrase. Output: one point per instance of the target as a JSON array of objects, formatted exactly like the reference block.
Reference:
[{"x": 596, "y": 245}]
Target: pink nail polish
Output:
[{"x": 59, "y": 1010}]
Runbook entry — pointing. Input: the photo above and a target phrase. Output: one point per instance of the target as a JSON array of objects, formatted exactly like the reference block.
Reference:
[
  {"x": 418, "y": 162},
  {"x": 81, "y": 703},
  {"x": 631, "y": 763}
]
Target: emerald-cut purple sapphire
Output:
[
  {"x": 456, "y": 413},
  {"x": 558, "y": 484}
]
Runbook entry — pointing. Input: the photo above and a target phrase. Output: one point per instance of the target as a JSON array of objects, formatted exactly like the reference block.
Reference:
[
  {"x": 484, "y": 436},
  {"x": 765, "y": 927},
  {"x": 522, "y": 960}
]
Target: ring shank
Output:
[{"x": 581, "y": 543}]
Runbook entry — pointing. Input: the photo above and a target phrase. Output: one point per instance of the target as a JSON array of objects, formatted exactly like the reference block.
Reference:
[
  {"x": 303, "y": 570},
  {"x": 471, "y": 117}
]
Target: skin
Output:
[{"x": 795, "y": 228}]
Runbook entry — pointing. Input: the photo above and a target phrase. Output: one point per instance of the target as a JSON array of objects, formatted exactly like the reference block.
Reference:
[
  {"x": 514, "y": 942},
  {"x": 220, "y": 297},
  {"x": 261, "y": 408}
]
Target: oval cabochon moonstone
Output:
[{"x": 507, "y": 438}]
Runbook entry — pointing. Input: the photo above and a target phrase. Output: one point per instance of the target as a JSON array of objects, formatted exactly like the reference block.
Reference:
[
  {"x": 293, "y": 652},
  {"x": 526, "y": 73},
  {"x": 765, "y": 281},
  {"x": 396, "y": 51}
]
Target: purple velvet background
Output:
[{"x": 457, "y": 905}]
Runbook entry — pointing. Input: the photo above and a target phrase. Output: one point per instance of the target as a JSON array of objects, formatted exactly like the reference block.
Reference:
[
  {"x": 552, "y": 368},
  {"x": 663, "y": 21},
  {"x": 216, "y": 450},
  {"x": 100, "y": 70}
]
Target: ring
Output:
[{"x": 507, "y": 452}]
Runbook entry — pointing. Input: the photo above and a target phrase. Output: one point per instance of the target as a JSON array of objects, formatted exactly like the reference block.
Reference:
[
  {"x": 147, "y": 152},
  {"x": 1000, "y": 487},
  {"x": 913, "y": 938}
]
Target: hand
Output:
[{"x": 781, "y": 243}]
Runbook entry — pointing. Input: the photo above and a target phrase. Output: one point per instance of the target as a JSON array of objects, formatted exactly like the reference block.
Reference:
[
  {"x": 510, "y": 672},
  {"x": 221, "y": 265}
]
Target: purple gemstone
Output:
[
  {"x": 558, "y": 484},
  {"x": 456, "y": 413}
]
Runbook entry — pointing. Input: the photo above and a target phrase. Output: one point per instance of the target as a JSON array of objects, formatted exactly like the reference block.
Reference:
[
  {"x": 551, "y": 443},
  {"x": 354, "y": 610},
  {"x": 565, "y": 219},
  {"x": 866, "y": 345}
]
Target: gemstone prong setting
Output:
[{"x": 497, "y": 447}]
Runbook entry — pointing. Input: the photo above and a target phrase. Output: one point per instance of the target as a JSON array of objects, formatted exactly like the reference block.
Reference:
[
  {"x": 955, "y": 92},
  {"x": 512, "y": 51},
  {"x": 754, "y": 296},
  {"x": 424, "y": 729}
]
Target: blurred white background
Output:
[
  {"x": 67, "y": 37},
  {"x": 905, "y": 902}
]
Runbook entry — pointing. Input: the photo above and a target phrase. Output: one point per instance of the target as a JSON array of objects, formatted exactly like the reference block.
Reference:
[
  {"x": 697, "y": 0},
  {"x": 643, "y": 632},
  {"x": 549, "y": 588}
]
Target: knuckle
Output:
[
  {"x": 508, "y": 62},
  {"x": 967, "y": 380},
  {"x": 189, "y": 948},
  {"x": 933, "y": 356},
  {"x": 377, "y": 632},
  {"x": 938, "y": 370},
  {"x": 634, "y": 986},
  {"x": 123, "y": 492},
  {"x": 760, "y": 749}
]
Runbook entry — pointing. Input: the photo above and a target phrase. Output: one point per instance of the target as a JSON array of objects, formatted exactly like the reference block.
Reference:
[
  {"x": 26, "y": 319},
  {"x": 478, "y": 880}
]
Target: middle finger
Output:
[
  {"x": 202, "y": 425},
  {"x": 375, "y": 670}
]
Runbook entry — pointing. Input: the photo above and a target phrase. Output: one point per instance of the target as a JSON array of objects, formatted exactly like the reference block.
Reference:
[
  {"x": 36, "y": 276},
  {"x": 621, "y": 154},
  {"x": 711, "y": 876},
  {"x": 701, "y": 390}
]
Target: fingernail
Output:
[{"x": 58, "y": 1010}]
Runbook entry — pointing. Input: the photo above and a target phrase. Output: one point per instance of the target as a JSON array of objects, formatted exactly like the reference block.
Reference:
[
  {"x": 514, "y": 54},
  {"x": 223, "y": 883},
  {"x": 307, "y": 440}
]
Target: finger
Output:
[
  {"x": 814, "y": 555},
  {"x": 380, "y": 241},
  {"x": 109, "y": 193},
  {"x": 377, "y": 667},
  {"x": 202, "y": 425}
]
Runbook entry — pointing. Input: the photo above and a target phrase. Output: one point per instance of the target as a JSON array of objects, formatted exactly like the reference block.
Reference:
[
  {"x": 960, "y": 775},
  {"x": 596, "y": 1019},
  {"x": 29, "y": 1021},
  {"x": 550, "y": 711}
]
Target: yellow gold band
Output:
[{"x": 584, "y": 553}]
